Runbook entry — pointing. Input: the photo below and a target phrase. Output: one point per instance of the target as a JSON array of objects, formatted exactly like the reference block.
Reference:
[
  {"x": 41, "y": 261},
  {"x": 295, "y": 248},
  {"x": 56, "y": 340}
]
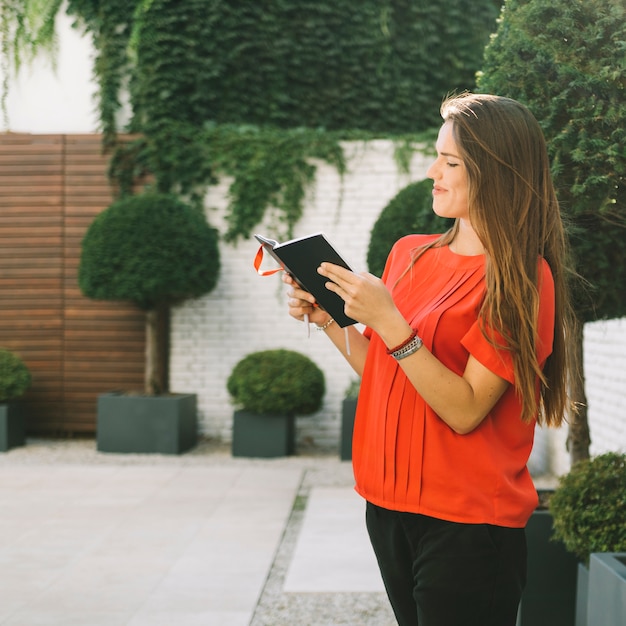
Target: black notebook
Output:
[{"x": 301, "y": 257}]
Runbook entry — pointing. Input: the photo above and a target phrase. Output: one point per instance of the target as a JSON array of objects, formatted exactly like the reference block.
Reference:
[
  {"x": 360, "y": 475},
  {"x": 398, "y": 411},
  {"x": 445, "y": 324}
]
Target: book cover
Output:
[{"x": 301, "y": 257}]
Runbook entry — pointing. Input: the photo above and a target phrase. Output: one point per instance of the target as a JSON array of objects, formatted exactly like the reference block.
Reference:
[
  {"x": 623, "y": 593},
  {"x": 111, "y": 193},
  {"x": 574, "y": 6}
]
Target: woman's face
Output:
[{"x": 450, "y": 189}]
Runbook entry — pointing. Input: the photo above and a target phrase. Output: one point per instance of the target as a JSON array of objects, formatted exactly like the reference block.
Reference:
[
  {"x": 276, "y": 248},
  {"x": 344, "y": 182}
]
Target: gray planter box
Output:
[
  {"x": 147, "y": 424},
  {"x": 582, "y": 593},
  {"x": 607, "y": 589},
  {"x": 12, "y": 428},
  {"x": 263, "y": 435},
  {"x": 348, "y": 410},
  {"x": 550, "y": 593}
]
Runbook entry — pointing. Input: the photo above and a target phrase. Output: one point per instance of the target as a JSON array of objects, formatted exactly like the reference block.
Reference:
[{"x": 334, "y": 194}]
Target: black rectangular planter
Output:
[
  {"x": 147, "y": 424},
  {"x": 606, "y": 601},
  {"x": 348, "y": 411},
  {"x": 12, "y": 428},
  {"x": 263, "y": 435},
  {"x": 550, "y": 593}
]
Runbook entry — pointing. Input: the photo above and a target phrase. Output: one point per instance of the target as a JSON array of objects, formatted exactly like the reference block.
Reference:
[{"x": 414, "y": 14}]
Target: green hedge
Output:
[{"x": 372, "y": 65}]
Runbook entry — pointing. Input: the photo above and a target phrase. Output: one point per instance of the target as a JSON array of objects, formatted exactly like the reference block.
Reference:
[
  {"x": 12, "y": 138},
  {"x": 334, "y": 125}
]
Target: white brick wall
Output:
[
  {"x": 605, "y": 384},
  {"x": 246, "y": 313}
]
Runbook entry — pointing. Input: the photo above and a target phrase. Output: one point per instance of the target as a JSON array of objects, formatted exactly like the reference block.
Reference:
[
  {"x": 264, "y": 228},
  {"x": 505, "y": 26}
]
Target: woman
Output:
[{"x": 463, "y": 351}]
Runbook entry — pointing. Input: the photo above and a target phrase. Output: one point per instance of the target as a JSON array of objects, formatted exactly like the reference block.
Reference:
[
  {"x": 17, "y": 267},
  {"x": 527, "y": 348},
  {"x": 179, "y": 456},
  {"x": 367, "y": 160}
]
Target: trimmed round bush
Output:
[
  {"x": 15, "y": 377},
  {"x": 589, "y": 506},
  {"x": 277, "y": 382},
  {"x": 149, "y": 249},
  {"x": 410, "y": 211}
]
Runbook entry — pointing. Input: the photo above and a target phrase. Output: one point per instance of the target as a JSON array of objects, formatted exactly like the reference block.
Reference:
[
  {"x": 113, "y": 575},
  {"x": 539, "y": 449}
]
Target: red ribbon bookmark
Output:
[{"x": 258, "y": 259}]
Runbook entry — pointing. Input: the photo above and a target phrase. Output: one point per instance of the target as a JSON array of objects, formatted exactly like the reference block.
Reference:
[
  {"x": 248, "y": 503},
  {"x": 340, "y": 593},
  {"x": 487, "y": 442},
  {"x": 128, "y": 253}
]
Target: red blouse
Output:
[{"x": 405, "y": 457}]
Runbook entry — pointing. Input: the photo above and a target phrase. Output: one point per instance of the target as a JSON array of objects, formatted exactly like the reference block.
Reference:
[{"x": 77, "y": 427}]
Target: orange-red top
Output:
[{"x": 405, "y": 457}]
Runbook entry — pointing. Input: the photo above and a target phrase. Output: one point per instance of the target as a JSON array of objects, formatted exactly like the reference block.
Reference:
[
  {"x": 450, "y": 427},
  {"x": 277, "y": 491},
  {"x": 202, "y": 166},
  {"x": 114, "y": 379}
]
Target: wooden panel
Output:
[{"x": 51, "y": 188}]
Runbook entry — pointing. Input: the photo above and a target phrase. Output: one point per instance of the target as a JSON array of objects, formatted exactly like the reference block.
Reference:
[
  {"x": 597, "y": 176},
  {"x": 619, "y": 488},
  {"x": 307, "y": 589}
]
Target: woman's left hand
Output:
[{"x": 367, "y": 298}]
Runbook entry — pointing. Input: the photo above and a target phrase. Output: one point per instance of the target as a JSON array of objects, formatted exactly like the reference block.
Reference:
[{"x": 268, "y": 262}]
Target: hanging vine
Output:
[{"x": 258, "y": 91}]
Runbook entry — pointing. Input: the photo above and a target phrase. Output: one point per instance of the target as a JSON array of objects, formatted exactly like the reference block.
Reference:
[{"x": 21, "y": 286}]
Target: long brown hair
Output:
[{"x": 514, "y": 210}]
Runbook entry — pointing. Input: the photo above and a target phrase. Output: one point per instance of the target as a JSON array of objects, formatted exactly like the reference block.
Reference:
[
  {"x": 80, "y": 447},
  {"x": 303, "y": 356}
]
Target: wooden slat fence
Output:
[{"x": 51, "y": 188}]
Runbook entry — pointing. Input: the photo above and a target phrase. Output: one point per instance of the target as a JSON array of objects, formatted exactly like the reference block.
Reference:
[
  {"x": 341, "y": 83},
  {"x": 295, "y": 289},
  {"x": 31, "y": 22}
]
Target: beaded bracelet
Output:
[
  {"x": 412, "y": 336},
  {"x": 325, "y": 326}
]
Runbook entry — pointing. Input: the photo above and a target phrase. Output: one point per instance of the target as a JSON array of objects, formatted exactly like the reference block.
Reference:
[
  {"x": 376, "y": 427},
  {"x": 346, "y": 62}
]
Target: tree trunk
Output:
[
  {"x": 578, "y": 439},
  {"x": 157, "y": 351}
]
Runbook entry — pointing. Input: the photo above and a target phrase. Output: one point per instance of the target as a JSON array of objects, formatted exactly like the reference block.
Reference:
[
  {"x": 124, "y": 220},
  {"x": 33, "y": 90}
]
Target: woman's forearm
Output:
[{"x": 356, "y": 342}]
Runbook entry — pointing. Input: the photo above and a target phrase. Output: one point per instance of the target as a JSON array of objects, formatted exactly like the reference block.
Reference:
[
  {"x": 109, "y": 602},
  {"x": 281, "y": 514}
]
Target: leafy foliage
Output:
[
  {"x": 149, "y": 249},
  {"x": 293, "y": 63},
  {"x": 269, "y": 167},
  {"x": 277, "y": 382},
  {"x": 566, "y": 60},
  {"x": 410, "y": 211},
  {"x": 110, "y": 23},
  {"x": 194, "y": 66},
  {"x": 15, "y": 377},
  {"x": 26, "y": 27},
  {"x": 589, "y": 506}
]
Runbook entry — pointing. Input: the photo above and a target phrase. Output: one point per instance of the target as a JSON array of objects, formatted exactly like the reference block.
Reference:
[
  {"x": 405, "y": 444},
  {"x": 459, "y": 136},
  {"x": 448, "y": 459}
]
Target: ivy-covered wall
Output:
[
  {"x": 381, "y": 66},
  {"x": 253, "y": 90}
]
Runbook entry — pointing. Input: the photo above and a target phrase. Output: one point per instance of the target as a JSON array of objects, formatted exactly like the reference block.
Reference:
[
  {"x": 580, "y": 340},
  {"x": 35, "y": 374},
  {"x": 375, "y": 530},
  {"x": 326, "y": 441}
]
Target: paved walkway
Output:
[{"x": 91, "y": 539}]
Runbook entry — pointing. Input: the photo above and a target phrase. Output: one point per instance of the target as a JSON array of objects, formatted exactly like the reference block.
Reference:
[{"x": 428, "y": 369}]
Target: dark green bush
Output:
[
  {"x": 565, "y": 61},
  {"x": 15, "y": 377},
  {"x": 410, "y": 211},
  {"x": 277, "y": 382},
  {"x": 589, "y": 506},
  {"x": 149, "y": 249}
]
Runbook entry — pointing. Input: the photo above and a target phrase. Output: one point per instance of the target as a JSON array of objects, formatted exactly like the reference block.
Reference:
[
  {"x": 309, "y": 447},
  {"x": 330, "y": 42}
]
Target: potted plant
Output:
[
  {"x": 348, "y": 412},
  {"x": 270, "y": 388},
  {"x": 589, "y": 510},
  {"x": 154, "y": 251},
  {"x": 15, "y": 379}
]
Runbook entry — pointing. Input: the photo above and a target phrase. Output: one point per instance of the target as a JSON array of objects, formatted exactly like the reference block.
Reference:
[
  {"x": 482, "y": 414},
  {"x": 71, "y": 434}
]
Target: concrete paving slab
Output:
[
  {"x": 139, "y": 545},
  {"x": 333, "y": 552}
]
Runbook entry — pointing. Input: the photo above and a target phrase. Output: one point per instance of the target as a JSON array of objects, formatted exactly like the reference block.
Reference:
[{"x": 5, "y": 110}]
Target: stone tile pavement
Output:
[{"x": 92, "y": 539}]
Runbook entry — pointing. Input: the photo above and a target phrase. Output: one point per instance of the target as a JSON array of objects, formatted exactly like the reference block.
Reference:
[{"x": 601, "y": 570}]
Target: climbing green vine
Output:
[
  {"x": 269, "y": 167},
  {"x": 260, "y": 91}
]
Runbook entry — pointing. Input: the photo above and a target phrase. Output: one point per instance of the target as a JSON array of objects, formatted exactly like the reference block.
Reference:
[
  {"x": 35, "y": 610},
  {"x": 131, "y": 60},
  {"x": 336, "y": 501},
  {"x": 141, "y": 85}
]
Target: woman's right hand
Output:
[{"x": 302, "y": 303}]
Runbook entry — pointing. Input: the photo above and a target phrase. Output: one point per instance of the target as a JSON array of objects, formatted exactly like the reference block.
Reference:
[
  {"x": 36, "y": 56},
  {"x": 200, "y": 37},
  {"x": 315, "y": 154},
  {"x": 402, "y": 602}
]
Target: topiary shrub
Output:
[
  {"x": 277, "y": 382},
  {"x": 149, "y": 249},
  {"x": 589, "y": 506},
  {"x": 410, "y": 211},
  {"x": 154, "y": 251},
  {"x": 15, "y": 377}
]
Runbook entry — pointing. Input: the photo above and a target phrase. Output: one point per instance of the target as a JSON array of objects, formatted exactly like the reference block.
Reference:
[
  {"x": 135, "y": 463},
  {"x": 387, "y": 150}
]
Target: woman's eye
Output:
[{"x": 453, "y": 164}]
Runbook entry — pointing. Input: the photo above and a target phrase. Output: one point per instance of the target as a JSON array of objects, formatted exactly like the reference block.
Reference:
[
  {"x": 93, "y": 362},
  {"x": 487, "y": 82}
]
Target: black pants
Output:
[{"x": 440, "y": 573}]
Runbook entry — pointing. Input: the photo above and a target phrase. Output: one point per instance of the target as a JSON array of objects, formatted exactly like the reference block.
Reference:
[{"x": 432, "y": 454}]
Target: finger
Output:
[
  {"x": 303, "y": 295},
  {"x": 335, "y": 272}
]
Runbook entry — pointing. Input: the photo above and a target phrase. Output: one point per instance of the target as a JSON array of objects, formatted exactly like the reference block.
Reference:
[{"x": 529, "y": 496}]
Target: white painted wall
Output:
[
  {"x": 43, "y": 99},
  {"x": 247, "y": 313}
]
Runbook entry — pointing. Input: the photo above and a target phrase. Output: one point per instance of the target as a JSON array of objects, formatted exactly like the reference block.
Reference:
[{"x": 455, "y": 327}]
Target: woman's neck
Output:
[{"x": 466, "y": 242}]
